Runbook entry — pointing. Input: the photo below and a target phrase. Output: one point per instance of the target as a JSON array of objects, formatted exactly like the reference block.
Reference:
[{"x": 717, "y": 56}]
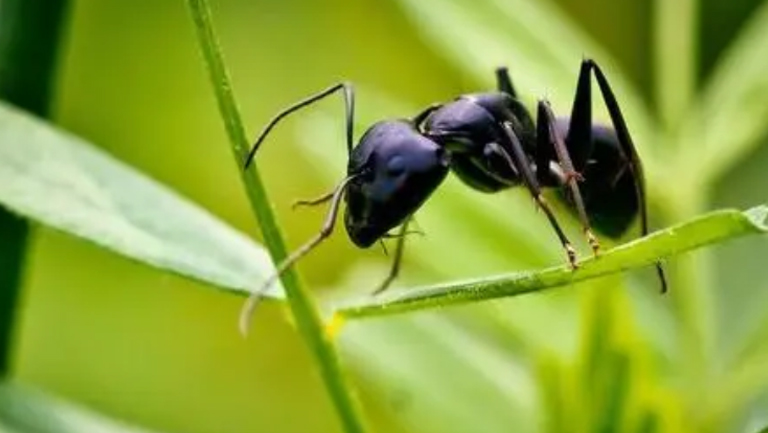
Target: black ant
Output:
[{"x": 489, "y": 140}]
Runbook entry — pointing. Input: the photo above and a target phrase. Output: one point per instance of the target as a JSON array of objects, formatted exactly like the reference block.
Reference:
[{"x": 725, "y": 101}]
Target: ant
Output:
[{"x": 489, "y": 140}]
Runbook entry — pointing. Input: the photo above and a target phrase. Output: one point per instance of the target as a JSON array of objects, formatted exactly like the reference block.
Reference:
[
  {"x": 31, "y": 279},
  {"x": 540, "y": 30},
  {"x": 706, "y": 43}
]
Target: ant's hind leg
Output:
[
  {"x": 581, "y": 122},
  {"x": 504, "y": 82}
]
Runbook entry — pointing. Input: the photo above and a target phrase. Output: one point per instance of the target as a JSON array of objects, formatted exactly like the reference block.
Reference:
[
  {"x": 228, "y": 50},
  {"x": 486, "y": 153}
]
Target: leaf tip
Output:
[{"x": 758, "y": 216}]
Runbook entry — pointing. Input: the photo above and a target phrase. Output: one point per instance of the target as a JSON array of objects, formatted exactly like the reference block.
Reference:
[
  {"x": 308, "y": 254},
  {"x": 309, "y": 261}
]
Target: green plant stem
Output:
[
  {"x": 693, "y": 293},
  {"x": 305, "y": 312},
  {"x": 30, "y": 33},
  {"x": 675, "y": 58}
]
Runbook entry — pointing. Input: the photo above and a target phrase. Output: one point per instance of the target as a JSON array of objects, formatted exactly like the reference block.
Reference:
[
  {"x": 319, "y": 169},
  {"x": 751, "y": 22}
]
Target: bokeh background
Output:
[{"x": 162, "y": 352}]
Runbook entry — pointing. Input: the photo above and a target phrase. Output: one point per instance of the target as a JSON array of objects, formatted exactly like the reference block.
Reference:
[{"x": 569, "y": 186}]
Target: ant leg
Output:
[
  {"x": 504, "y": 82},
  {"x": 349, "y": 105},
  {"x": 399, "y": 235},
  {"x": 627, "y": 147},
  {"x": 313, "y": 201},
  {"x": 395, "y": 269},
  {"x": 579, "y": 138},
  {"x": 324, "y": 233},
  {"x": 548, "y": 137},
  {"x": 519, "y": 161}
]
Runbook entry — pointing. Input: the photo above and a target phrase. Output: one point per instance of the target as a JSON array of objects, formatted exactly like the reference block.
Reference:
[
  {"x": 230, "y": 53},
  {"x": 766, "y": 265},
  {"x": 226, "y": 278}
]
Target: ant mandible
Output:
[{"x": 491, "y": 143}]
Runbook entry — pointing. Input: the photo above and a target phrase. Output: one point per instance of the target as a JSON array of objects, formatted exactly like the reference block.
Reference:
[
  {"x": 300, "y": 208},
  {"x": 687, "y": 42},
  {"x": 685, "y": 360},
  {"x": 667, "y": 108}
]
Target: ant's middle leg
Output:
[
  {"x": 504, "y": 82},
  {"x": 517, "y": 159},
  {"x": 550, "y": 143}
]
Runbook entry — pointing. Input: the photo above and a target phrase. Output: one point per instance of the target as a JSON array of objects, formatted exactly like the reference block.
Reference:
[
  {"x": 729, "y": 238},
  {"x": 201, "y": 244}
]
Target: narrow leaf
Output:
[
  {"x": 714, "y": 227},
  {"x": 730, "y": 118},
  {"x": 59, "y": 180},
  {"x": 25, "y": 410}
]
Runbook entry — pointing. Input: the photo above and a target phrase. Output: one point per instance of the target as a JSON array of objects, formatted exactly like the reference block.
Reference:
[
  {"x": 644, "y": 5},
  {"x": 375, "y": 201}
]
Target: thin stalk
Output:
[
  {"x": 30, "y": 35},
  {"x": 694, "y": 300},
  {"x": 704, "y": 230},
  {"x": 305, "y": 312},
  {"x": 675, "y": 58}
]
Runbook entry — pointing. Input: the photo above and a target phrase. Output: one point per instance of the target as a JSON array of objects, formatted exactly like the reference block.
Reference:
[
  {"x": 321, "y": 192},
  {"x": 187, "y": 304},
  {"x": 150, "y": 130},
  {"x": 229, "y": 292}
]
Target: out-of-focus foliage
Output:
[
  {"x": 610, "y": 356},
  {"x": 681, "y": 342},
  {"x": 56, "y": 179},
  {"x": 25, "y": 410}
]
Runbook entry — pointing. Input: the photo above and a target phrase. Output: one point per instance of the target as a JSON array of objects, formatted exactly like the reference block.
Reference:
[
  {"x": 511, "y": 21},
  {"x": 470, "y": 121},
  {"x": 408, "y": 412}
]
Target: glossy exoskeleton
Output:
[{"x": 491, "y": 142}]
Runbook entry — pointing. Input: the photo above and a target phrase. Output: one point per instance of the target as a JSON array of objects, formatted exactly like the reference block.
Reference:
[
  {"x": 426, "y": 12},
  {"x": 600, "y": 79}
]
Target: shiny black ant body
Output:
[{"x": 490, "y": 141}]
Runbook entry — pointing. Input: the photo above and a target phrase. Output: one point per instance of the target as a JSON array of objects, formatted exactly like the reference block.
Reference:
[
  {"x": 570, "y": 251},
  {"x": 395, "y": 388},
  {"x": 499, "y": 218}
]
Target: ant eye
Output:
[{"x": 396, "y": 166}]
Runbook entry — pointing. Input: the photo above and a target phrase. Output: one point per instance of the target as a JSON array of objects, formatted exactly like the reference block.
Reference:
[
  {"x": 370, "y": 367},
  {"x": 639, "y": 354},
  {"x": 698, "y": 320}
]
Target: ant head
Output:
[{"x": 396, "y": 170}]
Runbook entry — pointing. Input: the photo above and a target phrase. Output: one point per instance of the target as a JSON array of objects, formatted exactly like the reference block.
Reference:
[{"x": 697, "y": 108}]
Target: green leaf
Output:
[
  {"x": 61, "y": 181},
  {"x": 714, "y": 227},
  {"x": 24, "y": 410},
  {"x": 729, "y": 120}
]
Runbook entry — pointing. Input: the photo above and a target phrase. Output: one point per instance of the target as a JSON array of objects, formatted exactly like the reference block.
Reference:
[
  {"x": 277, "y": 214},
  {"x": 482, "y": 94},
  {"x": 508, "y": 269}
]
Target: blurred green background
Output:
[{"x": 163, "y": 352}]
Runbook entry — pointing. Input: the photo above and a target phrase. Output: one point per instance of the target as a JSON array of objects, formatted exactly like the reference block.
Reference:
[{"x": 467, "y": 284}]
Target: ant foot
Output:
[
  {"x": 571, "y": 175},
  {"x": 571, "y": 256},
  {"x": 593, "y": 242}
]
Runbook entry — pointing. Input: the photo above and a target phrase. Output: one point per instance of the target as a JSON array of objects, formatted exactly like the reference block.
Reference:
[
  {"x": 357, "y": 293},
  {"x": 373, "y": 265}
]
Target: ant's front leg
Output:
[
  {"x": 325, "y": 232},
  {"x": 397, "y": 260}
]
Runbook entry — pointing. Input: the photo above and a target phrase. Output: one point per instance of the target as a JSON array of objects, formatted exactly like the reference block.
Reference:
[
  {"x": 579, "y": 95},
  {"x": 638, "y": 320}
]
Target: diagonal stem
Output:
[
  {"x": 304, "y": 310},
  {"x": 675, "y": 58},
  {"x": 26, "y": 80}
]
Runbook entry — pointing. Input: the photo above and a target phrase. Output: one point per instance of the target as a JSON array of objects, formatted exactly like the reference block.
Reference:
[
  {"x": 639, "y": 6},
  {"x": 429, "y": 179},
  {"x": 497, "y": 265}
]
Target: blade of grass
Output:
[
  {"x": 26, "y": 26},
  {"x": 24, "y": 409},
  {"x": 305, "y": 313},
  {"x": 675, "y": 35},
  {"x": 729, "y": 120},
  {"x": 737, "y": 389},
  {"x": 13, "y": 232},
  {"x": 714, "y": 227}
]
